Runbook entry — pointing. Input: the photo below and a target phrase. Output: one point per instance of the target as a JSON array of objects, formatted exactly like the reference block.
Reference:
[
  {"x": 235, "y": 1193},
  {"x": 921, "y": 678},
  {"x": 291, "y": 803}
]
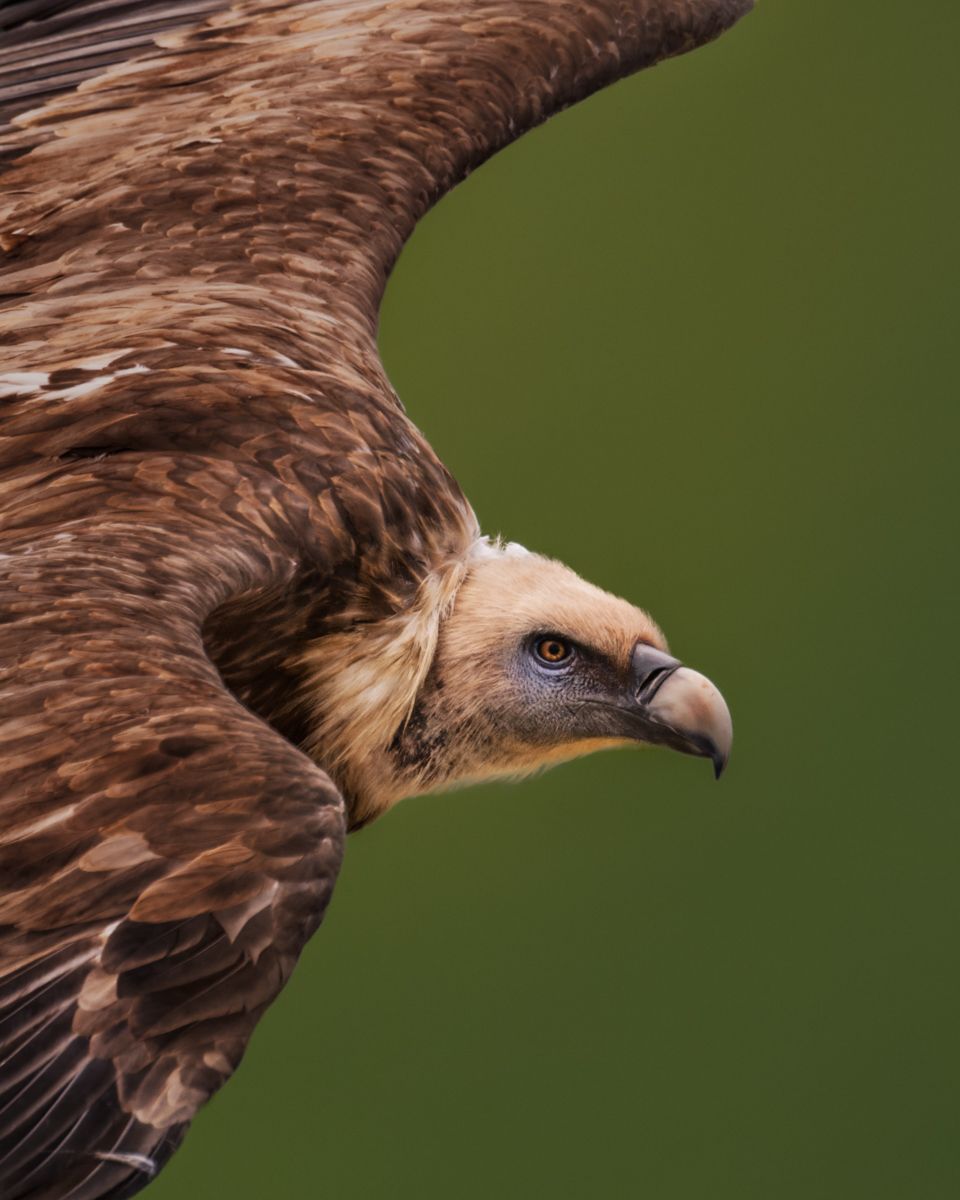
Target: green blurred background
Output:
[{"x": 696, "y": 337}]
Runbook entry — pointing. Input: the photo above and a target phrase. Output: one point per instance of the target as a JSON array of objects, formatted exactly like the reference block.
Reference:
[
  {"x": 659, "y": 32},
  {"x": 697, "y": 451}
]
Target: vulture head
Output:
[
  {"x": 511, "y": 664},
  {"x": 534, "y": 666}
]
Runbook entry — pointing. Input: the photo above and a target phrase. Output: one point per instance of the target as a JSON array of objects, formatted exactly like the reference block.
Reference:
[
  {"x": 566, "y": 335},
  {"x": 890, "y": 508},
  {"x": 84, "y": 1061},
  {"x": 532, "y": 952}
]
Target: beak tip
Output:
[{"x": 690, "y": 705}]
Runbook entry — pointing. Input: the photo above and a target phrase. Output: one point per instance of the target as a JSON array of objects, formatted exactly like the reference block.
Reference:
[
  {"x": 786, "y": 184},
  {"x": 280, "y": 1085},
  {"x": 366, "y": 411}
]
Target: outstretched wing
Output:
[
  {"x": 247, "y": 185},
  {"x": 196, "y": 240},
  {"x": 164, "y": 855}
]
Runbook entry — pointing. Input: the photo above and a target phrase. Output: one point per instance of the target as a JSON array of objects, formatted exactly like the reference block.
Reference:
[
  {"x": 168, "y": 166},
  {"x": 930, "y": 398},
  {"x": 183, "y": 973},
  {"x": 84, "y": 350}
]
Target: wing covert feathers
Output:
[
  {"x": 164, "y": 855},
  {"x": 200, "y": 455},
  {"x": 321, "y": 130}
]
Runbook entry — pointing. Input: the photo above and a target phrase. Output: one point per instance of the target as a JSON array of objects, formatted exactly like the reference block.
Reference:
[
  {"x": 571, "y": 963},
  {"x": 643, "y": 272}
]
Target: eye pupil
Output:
[{"x": 553, "y": 650}]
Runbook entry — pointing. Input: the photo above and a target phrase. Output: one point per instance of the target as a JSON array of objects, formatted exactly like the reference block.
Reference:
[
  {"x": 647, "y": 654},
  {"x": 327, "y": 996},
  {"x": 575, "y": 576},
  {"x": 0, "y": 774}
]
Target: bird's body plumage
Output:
[{"x": 227, "y": 554}]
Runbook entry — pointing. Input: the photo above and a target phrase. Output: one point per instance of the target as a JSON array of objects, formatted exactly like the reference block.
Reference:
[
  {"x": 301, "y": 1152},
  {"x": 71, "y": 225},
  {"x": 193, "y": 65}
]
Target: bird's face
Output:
[{"x": 534, "y": 666}]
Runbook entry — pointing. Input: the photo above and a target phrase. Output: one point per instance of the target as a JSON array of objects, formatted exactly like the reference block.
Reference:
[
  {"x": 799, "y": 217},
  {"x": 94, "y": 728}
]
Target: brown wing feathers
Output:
[
  {"x": 200, "y": 451},
  {"x": 164, "y": 855},
  {"x": 51, "y": 46}
]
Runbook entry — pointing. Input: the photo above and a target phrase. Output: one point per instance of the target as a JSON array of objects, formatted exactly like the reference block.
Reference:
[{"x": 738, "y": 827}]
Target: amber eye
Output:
[{"x": 553, "y": 651}]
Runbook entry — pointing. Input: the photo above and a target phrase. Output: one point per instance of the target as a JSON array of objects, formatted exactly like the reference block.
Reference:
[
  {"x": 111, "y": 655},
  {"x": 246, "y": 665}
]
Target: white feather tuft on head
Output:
[{"x": 495, "y": 547}]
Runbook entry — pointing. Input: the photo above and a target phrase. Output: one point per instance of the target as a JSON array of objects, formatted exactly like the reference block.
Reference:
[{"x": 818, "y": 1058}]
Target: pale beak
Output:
[{"x": 679, "y": 707}]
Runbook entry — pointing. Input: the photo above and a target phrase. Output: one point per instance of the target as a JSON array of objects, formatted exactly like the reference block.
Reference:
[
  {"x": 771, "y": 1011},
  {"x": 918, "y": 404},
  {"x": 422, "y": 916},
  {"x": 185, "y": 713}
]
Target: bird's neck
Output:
[
  {"x": 351, "y": 679},
  {"x": 359, "y": 686}
]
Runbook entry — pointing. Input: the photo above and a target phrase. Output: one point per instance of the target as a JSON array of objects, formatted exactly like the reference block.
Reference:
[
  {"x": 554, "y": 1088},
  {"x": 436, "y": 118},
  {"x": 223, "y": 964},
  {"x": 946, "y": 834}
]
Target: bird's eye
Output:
[{"x": 553, "y": 651}]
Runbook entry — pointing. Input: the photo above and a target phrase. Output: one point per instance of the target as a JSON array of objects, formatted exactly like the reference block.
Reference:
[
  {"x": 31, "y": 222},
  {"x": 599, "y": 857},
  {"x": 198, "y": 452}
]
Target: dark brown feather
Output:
[
  {"x": 48, "y": 47},
  {"x": 203, "y": 468}
]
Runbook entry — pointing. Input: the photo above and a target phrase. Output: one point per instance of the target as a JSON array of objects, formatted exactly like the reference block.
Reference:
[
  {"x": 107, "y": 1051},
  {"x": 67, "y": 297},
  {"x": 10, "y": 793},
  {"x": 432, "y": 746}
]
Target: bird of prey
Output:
[{"x": 244, "y": 609}]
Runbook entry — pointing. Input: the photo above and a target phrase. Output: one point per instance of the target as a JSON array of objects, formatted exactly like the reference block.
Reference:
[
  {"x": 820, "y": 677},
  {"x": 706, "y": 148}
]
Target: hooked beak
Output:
[{"x": 677, "y": 707}]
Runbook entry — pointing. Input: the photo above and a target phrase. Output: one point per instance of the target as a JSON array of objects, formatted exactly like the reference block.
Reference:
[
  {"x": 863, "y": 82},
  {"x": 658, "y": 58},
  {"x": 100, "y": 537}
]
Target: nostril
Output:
[
  {"x": 648, "y": 688},
  {"x": 651, "y": 669}
]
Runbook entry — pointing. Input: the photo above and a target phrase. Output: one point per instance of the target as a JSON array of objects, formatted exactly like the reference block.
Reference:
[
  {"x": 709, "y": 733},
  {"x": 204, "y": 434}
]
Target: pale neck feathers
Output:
[{"x": 361, "y": 686}]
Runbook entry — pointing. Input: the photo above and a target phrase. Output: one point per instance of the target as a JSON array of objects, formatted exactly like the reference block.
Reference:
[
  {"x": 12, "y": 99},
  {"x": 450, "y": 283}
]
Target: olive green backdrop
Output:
[{"x": 697, "y": 337}]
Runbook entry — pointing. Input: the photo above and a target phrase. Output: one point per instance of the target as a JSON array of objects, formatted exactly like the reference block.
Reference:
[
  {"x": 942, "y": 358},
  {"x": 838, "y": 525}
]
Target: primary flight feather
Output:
[{"x": 243, "y": 606}]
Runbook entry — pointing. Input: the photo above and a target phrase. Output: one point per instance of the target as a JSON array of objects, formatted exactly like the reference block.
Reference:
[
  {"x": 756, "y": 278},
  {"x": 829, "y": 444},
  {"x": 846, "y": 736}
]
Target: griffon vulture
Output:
[{"x": 243, "y": 607}]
